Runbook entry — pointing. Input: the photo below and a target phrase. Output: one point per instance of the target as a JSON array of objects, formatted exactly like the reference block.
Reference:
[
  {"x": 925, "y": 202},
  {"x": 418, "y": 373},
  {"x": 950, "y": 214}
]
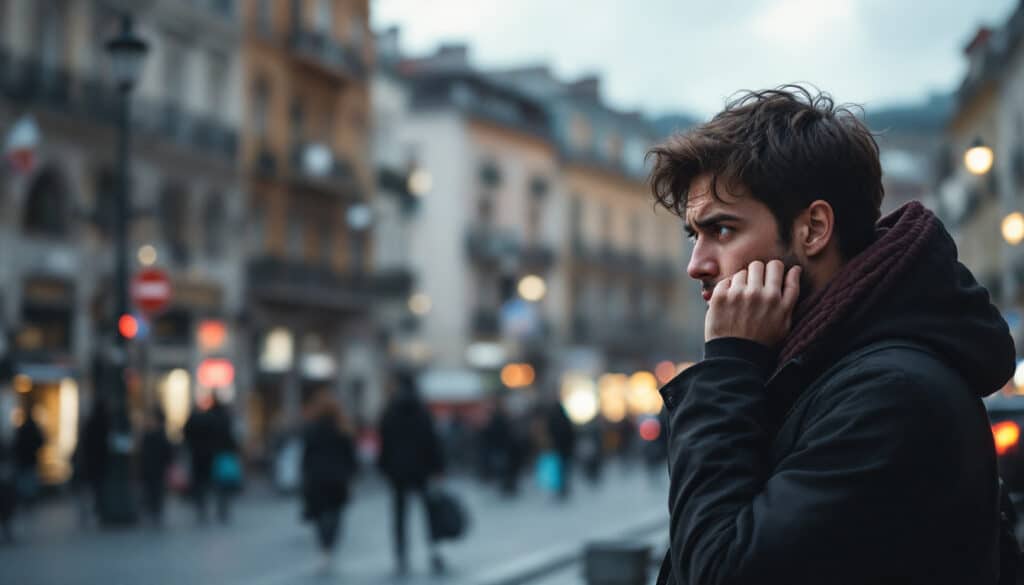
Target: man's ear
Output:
[{"x": 814, "y": 228}]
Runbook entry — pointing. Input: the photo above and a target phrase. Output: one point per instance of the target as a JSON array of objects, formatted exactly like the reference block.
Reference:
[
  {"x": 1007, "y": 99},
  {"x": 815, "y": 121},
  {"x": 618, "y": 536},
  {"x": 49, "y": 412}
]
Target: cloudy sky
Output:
[{"x": 666, "y": 55}]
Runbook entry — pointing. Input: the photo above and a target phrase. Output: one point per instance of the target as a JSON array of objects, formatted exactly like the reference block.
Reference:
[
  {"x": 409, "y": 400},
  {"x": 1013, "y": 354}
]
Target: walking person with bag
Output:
[
  {"x": 226, "y": 471},
  {"x": 156, "y": 454},
  {"x": 214, "y": 459},
  {"x": 410, "y": 457},
  {"x": 328, "y": 466}
]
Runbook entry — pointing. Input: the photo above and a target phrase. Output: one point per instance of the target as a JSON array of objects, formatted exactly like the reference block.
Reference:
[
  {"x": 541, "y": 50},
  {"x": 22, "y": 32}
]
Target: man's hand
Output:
[{"x": 754, "y": 304}]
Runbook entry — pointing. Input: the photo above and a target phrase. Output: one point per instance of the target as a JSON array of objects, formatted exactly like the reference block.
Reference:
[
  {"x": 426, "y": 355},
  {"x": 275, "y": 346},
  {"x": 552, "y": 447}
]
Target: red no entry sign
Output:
[{"x": 151, "y": 290}]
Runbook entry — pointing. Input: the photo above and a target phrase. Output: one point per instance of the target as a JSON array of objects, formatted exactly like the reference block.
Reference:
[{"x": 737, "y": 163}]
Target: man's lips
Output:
[{"x": 706, "y": 293}]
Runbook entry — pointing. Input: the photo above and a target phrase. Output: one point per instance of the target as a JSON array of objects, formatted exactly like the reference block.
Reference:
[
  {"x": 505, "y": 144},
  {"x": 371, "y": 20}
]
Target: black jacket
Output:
[
  {"x": 328, "y": 464},
  {"x": 410, "y": 448},
  {"x": 874, "y": 464}
]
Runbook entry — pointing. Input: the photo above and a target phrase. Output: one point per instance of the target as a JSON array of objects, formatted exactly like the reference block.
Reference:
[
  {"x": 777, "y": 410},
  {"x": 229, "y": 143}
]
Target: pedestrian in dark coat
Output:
[
  {"x": 502, "y": 450},
  {"x": 208, "y": 433},
  {"x": 155, "y": 454},
  {"x": 563, "y": 439},
  {"x": 28, "y": 440},
  {"x": 834, "y": 431},
  {"x": 410, "y": 456},
  {"x": 95, "y": 452},
  {"x": 328, "y": 466},
  {"x": 8, "y": 493}
]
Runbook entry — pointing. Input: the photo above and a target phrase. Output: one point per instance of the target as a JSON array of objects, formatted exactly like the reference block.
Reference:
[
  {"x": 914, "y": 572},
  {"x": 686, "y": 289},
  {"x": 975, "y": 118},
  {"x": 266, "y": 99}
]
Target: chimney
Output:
[{"x": 588, "y": 87}]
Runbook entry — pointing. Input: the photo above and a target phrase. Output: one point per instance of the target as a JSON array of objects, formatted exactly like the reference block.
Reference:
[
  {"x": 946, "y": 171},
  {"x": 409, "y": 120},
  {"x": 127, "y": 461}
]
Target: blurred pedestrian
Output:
[
  {"x": 92, "y": 456},
  {"x": 562, "y": 434},
  {"x": 410, "y": 456},
  {"x": 28, "y": 440},
  {"x": 502, "y": 449},
  {"x": 8, "y": 493},
  {"x": 591, "y": 451},
  {"x": 834, "y": 431},
  {"x": 208, "y": 436},
  {"x": 156, "y": 455},
  {"x": 328, "y": 466}
]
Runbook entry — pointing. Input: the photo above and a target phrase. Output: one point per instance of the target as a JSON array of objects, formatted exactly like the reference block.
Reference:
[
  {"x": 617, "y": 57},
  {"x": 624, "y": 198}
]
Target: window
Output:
[
  {"x": 215, "y": 219},
  {"x": 51, "y": 30},
  {"x": 257, "y": 228},
  {"x": 173, "y": 217},
  {"x": 174, "y": 70},
  {"x": 295, "y": 235},
  {"x": 575, "y": 218},
  {"x": 326, "y": 243},
  {"x": 260, "y": 107},
  {"x": 485, "y": 208},
  {"x": 105, "y": 188},
  {"x": 324, "y": 22},
  {"x": 47, "y": 208},
  {"x": 264, "y": 19},
  {"x": 298, "y": 116},
  {"x": 580, "y": 134},
  {"x": 217, "y": 84}
]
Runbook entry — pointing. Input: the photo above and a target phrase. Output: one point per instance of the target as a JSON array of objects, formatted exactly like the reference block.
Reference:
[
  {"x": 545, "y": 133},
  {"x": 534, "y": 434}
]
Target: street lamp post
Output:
[{"x": 127, "y": 52}]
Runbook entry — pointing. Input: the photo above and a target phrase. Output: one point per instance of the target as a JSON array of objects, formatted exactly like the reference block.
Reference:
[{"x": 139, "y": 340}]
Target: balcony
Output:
[
  {"x": 393, "y": 284},
  {"x": 490, "y": 246},
  {"x": 485, "y": 323},
  {"x": 315, "y": 167},
  {"x": 285, "y": 282},
  {"x": 265, "y": 163},
  {"x": 319, "y": 50},
  {"x": 537, "y": 257},
  {"x": 30, "y": 82}
]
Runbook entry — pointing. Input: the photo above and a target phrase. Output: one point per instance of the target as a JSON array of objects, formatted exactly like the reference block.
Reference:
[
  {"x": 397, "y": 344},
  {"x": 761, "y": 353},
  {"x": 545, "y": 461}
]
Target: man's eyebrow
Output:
[{"x": 713, "y": 219}]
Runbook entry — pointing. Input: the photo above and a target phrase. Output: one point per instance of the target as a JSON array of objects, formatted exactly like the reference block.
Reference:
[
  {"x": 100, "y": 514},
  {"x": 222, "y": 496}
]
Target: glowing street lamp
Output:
[
  {"x": 1013, "y": 228},
  {"x": 532, "y": 288},
  {"x": 979, "y": 158}
]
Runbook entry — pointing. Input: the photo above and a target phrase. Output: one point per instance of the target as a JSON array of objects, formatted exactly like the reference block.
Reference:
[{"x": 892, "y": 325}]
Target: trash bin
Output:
[{"x": 616, "y": 563}]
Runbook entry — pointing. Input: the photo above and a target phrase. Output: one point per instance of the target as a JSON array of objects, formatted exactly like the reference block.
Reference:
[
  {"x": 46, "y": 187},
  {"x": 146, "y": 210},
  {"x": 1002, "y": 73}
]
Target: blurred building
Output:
[
  {"x": 529, "y": 228},
  {"x": 989, "y": 112},
  {"x": 910, "y": 140},
  {"x": 56, "y": 229},
  {"x": 627, "y": 291},
  {"x": 310, "y": 175}
]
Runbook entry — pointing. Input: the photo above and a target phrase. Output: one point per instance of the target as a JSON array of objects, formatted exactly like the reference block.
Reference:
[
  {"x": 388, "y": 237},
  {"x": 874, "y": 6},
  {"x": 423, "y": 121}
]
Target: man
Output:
[
  {"x": 834, "y": 432},
  {"x": 410, "y": 456}
]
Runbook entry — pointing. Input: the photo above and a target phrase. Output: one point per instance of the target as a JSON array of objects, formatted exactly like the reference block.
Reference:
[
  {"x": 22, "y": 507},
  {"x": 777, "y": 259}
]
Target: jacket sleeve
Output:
[{"x": 827, "y": 508}]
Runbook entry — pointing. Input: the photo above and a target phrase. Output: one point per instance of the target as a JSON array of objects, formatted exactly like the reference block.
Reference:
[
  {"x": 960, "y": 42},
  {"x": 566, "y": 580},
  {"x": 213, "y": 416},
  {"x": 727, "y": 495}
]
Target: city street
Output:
[{"x": 265, "y": 544}]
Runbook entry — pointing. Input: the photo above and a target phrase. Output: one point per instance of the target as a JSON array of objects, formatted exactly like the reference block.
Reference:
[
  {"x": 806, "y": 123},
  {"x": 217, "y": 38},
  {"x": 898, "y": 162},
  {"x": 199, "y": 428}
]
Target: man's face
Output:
[{"x": 729, "y": 233}]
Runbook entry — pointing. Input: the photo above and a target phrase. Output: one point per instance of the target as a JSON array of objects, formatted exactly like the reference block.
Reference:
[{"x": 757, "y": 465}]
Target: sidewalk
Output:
[{"x": 267, "y": 545}]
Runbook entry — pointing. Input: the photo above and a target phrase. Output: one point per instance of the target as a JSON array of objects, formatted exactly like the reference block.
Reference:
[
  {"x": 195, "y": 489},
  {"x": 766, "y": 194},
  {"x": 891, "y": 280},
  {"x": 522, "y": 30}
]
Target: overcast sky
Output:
[{"x": 667, "y": 55}]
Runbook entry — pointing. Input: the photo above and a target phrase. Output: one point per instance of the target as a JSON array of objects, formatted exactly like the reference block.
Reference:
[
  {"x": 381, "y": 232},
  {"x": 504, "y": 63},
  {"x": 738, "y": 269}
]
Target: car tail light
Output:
[{"x": 1006, "y": 434}]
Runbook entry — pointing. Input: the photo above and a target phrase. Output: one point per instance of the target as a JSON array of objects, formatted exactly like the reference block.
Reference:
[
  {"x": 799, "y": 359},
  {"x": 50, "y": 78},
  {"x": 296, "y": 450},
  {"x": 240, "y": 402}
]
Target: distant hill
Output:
[{"x": 929, "y": 116}]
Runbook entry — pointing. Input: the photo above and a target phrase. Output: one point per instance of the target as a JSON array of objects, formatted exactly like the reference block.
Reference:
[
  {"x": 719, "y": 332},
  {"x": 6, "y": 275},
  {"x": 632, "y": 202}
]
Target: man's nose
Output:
[{"x": 702, "y": 266}]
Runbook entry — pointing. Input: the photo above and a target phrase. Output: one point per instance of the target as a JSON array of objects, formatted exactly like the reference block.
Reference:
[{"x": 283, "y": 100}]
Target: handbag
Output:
[
  {"x": 446, "y": 515},
  {"x": 227, "y": 470},
  {"x": 549, "y": 471}
]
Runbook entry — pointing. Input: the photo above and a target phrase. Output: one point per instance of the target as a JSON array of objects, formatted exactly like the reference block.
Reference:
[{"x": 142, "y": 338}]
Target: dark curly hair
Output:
[{"x": 787, "y": 148}]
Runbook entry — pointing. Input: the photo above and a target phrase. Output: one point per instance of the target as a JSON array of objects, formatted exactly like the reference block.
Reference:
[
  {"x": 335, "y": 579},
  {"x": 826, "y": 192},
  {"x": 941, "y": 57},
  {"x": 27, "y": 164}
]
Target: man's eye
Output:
[{"x": 722, "y": 231}]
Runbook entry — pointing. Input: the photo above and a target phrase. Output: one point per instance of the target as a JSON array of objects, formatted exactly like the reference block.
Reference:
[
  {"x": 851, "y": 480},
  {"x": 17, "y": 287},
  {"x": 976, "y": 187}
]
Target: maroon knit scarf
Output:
[{"x": 901, "y": 239}]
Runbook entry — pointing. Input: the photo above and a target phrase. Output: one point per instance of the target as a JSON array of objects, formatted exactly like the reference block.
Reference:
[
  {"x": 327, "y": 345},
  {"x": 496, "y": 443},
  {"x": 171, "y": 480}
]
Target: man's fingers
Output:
[
  {"x": 721, "y": 287},
  {"x": 773, "y": 275},
  {"x": 791, "y": 292},
  {"x": 739, "y": 280},
  {"x": 755, "y": 274}
]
